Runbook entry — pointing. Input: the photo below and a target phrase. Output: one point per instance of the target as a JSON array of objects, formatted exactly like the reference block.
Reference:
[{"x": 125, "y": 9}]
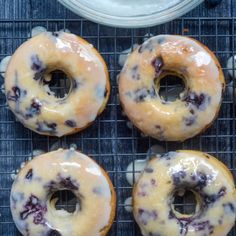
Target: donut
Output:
[
  {"x": 33, "y": 210},
  {"x": 197, "y": 106},
  {"x": 28, "y": 75},
  {"x": 207, "y": 178}
]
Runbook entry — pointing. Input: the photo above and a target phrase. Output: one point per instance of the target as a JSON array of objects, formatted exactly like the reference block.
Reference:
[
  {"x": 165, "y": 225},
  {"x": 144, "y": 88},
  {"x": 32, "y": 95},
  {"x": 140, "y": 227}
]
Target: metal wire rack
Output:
[{"x": 109, "y": 141}]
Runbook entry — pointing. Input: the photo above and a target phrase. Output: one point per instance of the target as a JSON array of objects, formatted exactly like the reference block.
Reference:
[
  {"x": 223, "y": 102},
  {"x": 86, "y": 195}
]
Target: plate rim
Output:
[{"x": 132, "y": 22}]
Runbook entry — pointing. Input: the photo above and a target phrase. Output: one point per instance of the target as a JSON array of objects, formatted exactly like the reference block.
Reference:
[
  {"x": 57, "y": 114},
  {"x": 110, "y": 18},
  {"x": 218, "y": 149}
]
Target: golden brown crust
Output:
[{"x": 105, "y": 230}]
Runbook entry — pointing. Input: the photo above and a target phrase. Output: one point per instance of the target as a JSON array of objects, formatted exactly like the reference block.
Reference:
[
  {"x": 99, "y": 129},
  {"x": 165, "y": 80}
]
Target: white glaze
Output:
[
  {"x": 124, "y": 55},
  {"x": 2, "y": 89},
  {"x": 39, "y": 110},
  {"x": 128, "y": 204},
  {"x": 37, "y": 30},
  {"x": 65, "y": 30},
  {"x": 199, "y": 172},
  {"x": 231, "y": 66},
  {"x": 147, "y": 36},
  {"x": 134, "y": 170},
  {"x": 139, "y": 86},
  {"x": 3, "y": 65},
  {"x": 54, "y": 171},
  {"x": 14, "y": 174},
  {"x": 37, "y": 152}
]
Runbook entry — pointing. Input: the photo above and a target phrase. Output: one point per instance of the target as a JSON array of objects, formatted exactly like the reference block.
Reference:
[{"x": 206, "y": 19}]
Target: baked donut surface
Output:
[
  {"x": 198, "y": 104},
  {"x": 34, "y": 211},
  {"x": 208, "y": 179},
  {"x": 30, "y": 70}
]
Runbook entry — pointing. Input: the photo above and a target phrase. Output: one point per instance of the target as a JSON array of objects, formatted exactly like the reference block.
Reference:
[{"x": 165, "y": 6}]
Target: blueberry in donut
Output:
[{"x": 197, "y": 106}]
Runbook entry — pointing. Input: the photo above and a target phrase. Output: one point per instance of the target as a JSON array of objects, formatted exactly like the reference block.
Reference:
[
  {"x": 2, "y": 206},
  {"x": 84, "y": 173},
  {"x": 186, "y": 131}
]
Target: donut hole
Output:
[
  {"x": 57, "y": 83},
  {"x": 171, "y": 86},
  {"x": 65, "y": 200},
  {"x": 185, "y": 202}
]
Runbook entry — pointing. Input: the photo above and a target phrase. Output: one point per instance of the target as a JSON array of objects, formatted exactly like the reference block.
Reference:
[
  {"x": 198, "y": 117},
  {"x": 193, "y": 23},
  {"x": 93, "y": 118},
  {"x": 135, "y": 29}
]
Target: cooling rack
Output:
[{"x": 109, "y": 140}]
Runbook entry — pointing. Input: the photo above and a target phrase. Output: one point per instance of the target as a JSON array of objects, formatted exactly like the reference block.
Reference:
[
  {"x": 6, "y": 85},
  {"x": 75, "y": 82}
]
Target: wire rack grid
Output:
[{"x": 109, "y": 141}]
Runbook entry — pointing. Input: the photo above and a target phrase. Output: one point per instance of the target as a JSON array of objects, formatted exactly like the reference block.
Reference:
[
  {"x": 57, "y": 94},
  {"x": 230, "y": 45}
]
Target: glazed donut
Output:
[
  {"x": 208, "y": 179},
  {"x": 33, "y": 210},
  {"x": 29, "y": 70},
  {"x": 198, "y": 105}
]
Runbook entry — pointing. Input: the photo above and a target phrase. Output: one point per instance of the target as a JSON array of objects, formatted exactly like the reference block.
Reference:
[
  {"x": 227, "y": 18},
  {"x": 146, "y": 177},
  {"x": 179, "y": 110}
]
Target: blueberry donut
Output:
[
  {"x": 29, "y": 73},
  {"x": 196, "y": 107},
  {"x": 206, "y": 177},
  {"x": 33, "y": 208}
]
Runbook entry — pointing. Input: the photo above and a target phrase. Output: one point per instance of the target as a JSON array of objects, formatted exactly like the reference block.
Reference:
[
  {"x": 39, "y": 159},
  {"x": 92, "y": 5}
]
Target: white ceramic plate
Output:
[{"x": 130, "y": 13}]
